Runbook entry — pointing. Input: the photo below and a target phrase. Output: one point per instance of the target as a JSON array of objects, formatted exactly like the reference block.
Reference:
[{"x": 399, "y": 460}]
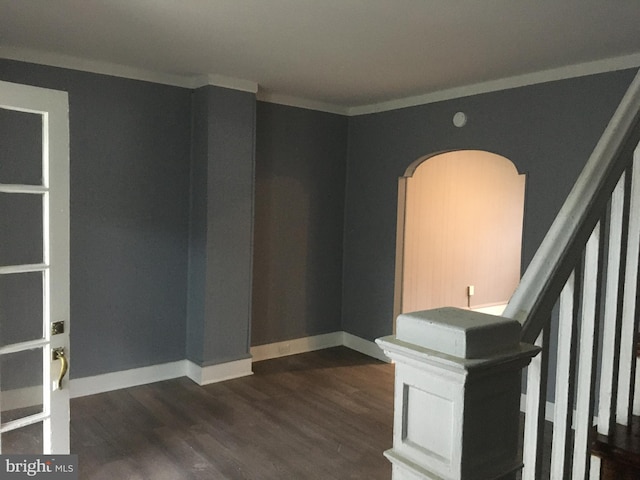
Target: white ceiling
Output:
[{"x": 345, "y": 53}]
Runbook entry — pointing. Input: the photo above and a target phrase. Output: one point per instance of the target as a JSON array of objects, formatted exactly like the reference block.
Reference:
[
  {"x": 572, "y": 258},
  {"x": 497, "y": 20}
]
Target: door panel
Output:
[{"x": 34, "y": 269}]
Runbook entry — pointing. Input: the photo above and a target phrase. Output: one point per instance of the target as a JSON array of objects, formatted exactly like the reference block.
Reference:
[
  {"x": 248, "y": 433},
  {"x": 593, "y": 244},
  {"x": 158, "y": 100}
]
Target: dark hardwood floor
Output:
[{"x": 321, "y": 415}]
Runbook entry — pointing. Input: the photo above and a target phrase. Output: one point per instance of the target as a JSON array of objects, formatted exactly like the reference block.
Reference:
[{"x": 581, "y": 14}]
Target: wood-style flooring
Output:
[{"x": 320, "y": 415}]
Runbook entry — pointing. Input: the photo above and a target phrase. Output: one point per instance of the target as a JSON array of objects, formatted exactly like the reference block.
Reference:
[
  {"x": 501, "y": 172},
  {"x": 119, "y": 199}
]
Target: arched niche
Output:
[{"x": 459, "y": 225}]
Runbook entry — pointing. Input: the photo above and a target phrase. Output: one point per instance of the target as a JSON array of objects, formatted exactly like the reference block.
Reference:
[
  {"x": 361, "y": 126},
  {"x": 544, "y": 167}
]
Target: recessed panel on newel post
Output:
[{"x": 457, "y": 395}]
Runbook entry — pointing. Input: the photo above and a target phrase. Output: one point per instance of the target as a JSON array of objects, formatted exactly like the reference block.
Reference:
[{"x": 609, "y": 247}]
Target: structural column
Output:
[
  {"x": 221, "y": 233},
  {"x": 457, "y": 395}
]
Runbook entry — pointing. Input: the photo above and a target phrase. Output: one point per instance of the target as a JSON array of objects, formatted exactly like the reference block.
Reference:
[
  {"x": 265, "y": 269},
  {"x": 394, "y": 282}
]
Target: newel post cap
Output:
[{"x": 458, "y": 332}]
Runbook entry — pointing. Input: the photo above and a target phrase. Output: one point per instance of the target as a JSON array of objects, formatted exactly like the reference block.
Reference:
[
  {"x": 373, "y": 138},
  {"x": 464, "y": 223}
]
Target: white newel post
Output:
[{"x": 457, "y": 395}]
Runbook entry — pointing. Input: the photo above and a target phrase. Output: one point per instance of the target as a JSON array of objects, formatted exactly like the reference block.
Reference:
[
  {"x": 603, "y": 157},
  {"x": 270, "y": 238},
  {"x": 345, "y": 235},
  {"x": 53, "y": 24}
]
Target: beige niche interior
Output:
[{"x": 459, "y": 232}]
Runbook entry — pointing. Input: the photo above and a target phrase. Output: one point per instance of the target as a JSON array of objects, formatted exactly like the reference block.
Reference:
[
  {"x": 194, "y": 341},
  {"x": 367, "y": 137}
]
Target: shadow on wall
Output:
[
  {"x": 281, "y": 248},
  {"x": 460, "y": 231}
]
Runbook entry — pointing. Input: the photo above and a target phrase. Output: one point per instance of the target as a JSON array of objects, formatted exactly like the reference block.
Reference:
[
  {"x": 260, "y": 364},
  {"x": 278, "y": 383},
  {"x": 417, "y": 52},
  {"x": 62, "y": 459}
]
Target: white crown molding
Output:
[
  {"x": 562, "y": 73},
  {"x": 93, "y": 66},
  {"x": 271, "y": 97},
  {"x": 225, "y": 82},
  {"x": 105, "y": 68},
  {"x": 116, "y": 70}
]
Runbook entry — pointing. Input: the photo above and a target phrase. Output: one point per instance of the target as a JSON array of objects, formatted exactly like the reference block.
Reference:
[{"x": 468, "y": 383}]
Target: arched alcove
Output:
[{"x": 459, "y": 226}]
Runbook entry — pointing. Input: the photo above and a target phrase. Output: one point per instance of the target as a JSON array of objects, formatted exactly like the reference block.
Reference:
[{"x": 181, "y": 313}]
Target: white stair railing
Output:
[
  {"x": 600, "y": 295},
  {"x": 587, "y": 267}
]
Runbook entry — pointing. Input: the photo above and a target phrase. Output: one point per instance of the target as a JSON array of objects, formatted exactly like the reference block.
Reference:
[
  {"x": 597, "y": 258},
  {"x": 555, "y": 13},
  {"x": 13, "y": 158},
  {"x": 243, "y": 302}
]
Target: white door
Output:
[{"x": 34, "y": 270}]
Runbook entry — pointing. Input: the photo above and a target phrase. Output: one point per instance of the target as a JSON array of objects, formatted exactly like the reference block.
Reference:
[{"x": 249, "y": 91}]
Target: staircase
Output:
[
  {"x": 619, "y": 451},
  {"x": 577, "y": 305}
]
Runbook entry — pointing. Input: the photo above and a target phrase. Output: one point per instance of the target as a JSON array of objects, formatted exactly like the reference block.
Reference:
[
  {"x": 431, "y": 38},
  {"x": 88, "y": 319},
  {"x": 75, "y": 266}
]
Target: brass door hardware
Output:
[
  {"x": 58, "y": 354},
  {"x": 57, "y": 328}
]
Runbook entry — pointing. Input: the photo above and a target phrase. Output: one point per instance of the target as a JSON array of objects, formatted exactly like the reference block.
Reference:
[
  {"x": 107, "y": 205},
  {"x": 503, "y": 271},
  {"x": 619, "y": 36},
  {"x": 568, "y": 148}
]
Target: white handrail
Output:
[{"x": 564, "y": 243}]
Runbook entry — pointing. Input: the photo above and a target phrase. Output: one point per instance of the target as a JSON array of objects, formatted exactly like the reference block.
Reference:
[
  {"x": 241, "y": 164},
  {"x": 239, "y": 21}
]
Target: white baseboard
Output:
[
  {"x": 157, "y": 373},
  {"x": 213, "y": 373},
  {"x": 318, "y": 342},
  {"x": 218, "y": 373},
  {"x": 295, "y": 346},
  {"x": 363, "y": 346},
  {"x": 126, "y": 378}
]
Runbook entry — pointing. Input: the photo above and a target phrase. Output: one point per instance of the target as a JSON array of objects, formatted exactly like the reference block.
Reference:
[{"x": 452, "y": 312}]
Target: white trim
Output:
[
  {"x": 126, "y": 378},
  {"x": 157, "y": 373},
  {"x": 280, "y": 99},
  {"x": 318, "y": 342},
  {"x": 218, "y": 373},
  {"x": 562, "y": 73},
  {"x": 25, "y": 421},
  {"x": 225, "y": 82},
  {"x": 295, "y": 346},
  {"x": 366, "y": 347},
  {"x": 10, "y": 269},
  {"x": 124, "y": 71},
  {"x": 93, "y": 66},
  {"x": 106, "y": 68},
  {"x": 30, "y": 189},
  {"x": 221, "y": 372}
]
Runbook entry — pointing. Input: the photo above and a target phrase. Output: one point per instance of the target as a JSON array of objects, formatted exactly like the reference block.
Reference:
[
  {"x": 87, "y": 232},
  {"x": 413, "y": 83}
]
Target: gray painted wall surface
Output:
[
  {"x": 130, "y": 144},
  {"x": 133, "y": 155},
  {"x": 547, "y": 130},
  {"x": 300, "y": 181},
  {"x": 223, "y": 150},
  {"x": 20, "y": 147}
]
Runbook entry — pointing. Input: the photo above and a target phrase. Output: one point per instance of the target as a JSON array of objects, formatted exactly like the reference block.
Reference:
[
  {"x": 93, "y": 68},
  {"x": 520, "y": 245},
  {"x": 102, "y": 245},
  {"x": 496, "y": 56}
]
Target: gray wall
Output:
[
  {"x": 547, "y": 130},
  {"x": 300, "y": 181},
  {"x": 325, "y": 220},
  {"x": 220, "y": 259},
  {"x": 130, "y": 147}
]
